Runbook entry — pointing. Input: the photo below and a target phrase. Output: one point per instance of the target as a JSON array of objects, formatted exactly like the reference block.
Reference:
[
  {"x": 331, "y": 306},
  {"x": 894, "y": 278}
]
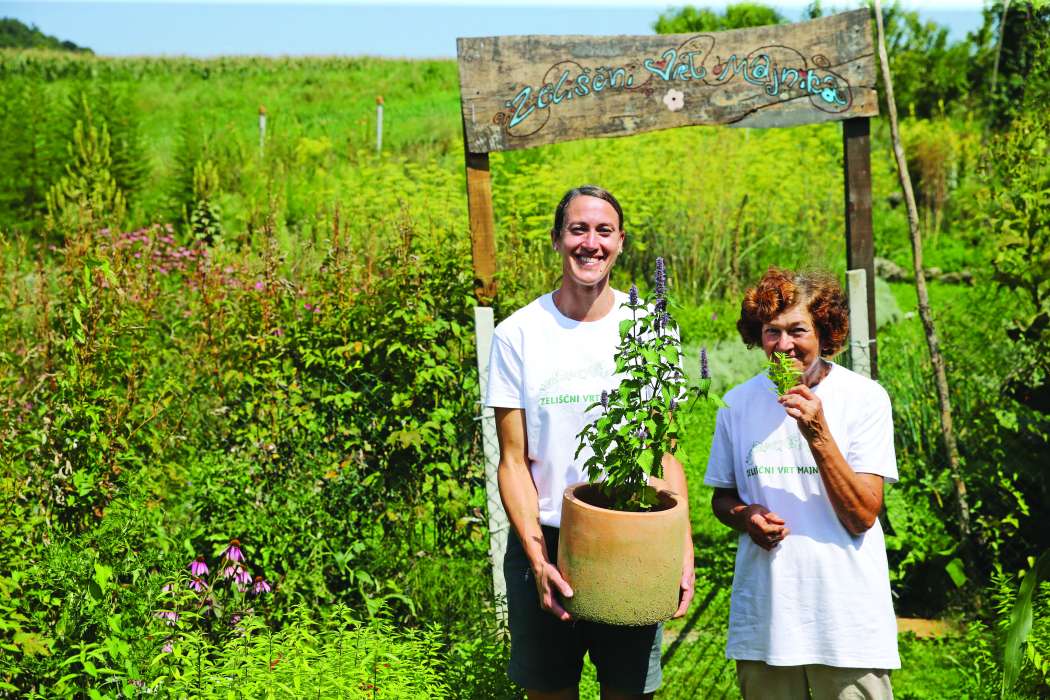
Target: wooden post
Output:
[
  {"x": 262, "y": 129},
  {"x": 482, "y": 226},
  {"x": 379, "y": 123},
  {"x": 859, "y": 345},
  {"x": 860, "y": 247},
  {"x": 498, "y": 524}
]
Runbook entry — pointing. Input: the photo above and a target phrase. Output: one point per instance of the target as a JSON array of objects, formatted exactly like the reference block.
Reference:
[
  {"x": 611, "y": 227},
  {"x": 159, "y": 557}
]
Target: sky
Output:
[{"x": 403, "y": 28}]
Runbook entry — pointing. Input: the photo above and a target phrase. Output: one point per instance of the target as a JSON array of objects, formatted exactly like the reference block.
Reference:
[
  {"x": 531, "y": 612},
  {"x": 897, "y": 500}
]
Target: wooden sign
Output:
[{"x": 524, "y": 91}]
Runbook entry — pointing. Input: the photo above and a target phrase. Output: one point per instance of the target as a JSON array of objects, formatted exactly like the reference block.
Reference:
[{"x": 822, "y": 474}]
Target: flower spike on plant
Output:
[{"x": 637, "y": 424}]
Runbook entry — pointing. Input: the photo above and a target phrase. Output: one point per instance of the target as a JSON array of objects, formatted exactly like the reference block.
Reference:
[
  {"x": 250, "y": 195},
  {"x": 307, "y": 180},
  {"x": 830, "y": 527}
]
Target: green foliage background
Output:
[{"x": 209, "y": 338}]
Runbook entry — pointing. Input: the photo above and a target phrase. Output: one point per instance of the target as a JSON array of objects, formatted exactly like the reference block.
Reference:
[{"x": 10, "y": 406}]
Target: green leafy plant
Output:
[
  {"x": 1017, "y": 647},
  {"x": 783, "y": 372},
  {"x": 638, "y": 425}
]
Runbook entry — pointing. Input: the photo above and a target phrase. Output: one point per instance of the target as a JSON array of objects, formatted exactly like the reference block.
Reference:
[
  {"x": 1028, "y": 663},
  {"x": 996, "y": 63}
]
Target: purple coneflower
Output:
[
  {"x": 170, "y": 617},
  {"x": 242, "y": 578},
  {"x": 167, "y": 648},
  {"x": 260, "y": 586},
  {"x": 704, "y": 373},
  {"x": 233, "y": 552},
  {"x": 197, "y": 584},
  {"x": 198, "y": 567},
  {"x": 230, "y": 571}
]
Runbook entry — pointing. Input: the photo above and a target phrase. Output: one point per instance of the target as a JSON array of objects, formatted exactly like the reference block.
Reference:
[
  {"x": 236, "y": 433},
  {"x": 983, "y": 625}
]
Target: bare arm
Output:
[
  {"x": 763, "y": 526},
  {"x": 856, "y": 497},
  {"x": 521, "y": 502}
]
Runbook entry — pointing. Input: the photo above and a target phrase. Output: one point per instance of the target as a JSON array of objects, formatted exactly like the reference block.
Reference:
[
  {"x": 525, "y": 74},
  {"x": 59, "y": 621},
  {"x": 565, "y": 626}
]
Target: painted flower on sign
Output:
[{"x": 674, "y": 99}]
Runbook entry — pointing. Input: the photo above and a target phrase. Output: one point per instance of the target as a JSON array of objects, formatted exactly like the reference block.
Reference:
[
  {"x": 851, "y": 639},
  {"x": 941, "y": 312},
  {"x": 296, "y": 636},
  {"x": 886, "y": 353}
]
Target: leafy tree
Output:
[
  {"x": 1019, "y": 217},
  {"x": 33, "y": 152},
  {"x": 1009, "y": 55},
  {"x": 689, "y": 19},
  {"x": 114, "y": 109},
  {"x": 87, "y": 196},
  {"x": 15, "y": 34},
  {"x": 930, "y": 74}
]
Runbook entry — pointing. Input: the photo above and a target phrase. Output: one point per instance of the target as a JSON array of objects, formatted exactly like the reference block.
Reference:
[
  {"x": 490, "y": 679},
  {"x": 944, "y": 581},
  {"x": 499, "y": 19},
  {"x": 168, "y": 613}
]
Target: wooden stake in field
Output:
[
  {"x": 262, "y": 129},
  {"x": 947, "y": 433},
  {"x": 379, "y": 124}
]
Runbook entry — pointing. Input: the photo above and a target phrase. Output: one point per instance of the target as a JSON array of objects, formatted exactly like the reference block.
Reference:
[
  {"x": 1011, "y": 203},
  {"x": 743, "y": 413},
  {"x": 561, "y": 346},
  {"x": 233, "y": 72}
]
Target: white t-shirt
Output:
[
  {"x": 822, "y": 596},
  {"x": 554, "y": 368}
]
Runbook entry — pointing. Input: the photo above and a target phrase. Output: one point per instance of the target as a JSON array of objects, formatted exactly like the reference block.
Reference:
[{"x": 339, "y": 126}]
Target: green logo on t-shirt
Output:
[{"x": 773, "y": 449}]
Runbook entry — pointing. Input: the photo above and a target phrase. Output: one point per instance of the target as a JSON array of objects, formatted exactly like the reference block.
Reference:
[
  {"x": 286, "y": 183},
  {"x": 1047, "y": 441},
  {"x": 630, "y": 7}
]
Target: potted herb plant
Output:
[{"x": 621, "y": 535}]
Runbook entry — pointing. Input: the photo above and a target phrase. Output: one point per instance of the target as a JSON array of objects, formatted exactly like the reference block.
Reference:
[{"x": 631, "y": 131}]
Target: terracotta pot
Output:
[{"x": 624, "y": 568}]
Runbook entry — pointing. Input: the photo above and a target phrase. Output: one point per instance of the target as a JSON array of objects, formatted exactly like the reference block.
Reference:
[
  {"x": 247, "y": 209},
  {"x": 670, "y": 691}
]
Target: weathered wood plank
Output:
[
  {"x": 860, "y": 246},
  {"x": 524, "y": 91},
  {"x": 482, "y": 226}
]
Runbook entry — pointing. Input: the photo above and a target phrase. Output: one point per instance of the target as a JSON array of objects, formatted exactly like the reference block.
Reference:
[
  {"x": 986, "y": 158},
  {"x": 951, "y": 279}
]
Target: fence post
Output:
[
  {"x": 860, "y": 245},
  {"x": 498, "y": 525},
  {"x": 379, "y": 124},
  {"x": 859, "y": 341},
  {"x": 262, "y": 129}
]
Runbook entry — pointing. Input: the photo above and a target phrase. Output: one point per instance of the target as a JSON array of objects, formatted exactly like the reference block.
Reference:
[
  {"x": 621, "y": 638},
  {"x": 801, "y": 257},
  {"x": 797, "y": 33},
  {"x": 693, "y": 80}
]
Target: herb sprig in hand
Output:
[{"x": 783, "y": 372}]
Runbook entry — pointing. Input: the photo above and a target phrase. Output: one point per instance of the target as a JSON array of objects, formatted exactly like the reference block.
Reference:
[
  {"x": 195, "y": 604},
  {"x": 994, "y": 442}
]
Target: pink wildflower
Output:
[
  {"x": 243, "y": 577},
  {"x": 260, "y": 586},
  {"x": 233, "y": 552},
  {"x": 170, "y": 617}
]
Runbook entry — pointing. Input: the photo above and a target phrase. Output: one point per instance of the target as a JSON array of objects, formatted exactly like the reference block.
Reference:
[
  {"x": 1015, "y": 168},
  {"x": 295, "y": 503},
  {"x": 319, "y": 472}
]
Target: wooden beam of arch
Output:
[{"x": 523, "y": 91}]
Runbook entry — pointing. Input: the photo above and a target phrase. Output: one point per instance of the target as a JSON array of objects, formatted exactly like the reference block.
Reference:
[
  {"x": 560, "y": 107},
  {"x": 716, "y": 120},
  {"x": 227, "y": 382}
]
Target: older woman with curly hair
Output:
[{"x": 800, "y": 476}]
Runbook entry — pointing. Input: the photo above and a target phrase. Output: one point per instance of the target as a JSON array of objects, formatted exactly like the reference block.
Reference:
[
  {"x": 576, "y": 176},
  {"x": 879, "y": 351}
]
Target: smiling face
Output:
[
  {"x": 794, "y": 334},
  {"x": 590, "y": 240}
]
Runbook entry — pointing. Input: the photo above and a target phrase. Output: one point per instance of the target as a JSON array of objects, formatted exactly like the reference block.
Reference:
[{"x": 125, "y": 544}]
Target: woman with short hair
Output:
[
  {"x": 549, "y": 361},
  {"x": 801, "y": 476}
]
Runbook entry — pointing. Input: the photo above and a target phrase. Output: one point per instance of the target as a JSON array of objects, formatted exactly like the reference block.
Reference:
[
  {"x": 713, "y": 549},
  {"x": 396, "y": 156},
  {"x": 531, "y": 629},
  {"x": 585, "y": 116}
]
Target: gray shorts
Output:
[
  {"x": 761, "y": 681},
  {"x": 546, "y": 654}
]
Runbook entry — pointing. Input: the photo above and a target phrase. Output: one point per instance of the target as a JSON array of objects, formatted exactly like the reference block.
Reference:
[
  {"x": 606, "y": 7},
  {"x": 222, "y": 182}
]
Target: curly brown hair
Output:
[{"x": 779, "y": 290}]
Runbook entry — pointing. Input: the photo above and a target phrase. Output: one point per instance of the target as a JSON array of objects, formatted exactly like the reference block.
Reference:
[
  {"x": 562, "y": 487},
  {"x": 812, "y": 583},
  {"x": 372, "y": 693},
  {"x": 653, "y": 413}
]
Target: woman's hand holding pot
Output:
[{"x": 549, "y": 585}]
